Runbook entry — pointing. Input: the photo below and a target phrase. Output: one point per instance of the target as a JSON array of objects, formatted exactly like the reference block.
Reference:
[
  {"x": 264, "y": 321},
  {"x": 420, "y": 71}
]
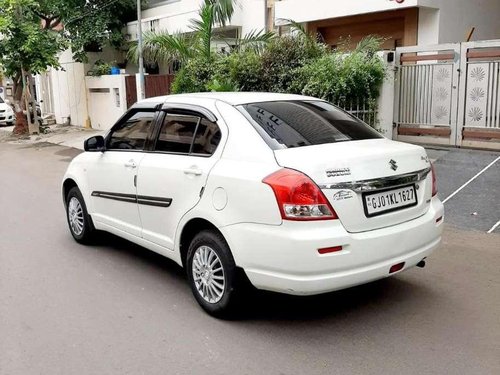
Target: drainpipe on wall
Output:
[
  {"x": 140, "y": 85},
  {"x": 266, "y": 18},
  {"x": 87, "y": 124}
]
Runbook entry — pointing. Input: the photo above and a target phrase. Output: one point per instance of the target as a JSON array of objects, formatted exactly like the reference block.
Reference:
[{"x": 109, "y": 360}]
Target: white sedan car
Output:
[
  {"x": 285, "y": 191},
  {"x": 7, "y": 116}
]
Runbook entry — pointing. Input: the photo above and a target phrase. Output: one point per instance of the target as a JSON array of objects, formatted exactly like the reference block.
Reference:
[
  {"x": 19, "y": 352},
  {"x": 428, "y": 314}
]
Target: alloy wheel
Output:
[
  {"x": 208, "y": 274},
  {"x": 75, "y": 216}
]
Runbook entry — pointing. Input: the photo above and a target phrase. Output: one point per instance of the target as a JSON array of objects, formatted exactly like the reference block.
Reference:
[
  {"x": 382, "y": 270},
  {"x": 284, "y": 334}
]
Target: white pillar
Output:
[
  {"x": 385, "y": 102},
  {"x": 138, "y": 87}
]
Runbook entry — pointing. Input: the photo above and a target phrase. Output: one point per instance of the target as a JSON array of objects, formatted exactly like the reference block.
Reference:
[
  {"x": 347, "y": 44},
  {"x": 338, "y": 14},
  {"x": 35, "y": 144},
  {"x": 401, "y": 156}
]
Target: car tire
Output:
[
  {"x": 212, "y": 274},
  {"x": 79, "y": 221}
]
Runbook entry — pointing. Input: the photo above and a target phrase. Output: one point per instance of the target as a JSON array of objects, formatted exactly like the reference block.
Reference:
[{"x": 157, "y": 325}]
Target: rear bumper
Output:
[{"x": 285, "y": 258}]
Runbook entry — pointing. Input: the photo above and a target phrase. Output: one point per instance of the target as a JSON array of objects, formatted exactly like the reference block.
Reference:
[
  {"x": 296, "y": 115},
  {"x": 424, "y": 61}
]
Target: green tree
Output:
[
  {"x": 87, "y": 23},
  {"x": 25, "y": 48},
  {"x": 33, "y": 33}
]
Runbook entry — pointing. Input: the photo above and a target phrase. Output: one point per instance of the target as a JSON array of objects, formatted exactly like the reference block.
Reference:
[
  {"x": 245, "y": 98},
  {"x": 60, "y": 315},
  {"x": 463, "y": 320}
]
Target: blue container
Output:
[{"x": 115, "y": 70}]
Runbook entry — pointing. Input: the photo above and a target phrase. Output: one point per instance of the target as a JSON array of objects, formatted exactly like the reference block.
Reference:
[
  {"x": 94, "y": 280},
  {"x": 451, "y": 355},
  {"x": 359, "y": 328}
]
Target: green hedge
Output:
[
  {"x": 342, "y": 78},
  {"x": 194, "y": 75},
  {"x": 291, "y": 64}
]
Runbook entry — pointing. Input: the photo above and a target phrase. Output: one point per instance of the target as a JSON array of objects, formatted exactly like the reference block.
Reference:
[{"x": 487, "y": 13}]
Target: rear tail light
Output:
[
  {"x": 434, "y": 182},
  {"x": 299, "y": 198}
]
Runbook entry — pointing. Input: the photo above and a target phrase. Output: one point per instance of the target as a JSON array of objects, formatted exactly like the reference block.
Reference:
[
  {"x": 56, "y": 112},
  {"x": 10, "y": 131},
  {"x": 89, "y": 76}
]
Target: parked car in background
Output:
[
  {"x": 287, "y": 192},
  {"x": 7, "y": 115}
]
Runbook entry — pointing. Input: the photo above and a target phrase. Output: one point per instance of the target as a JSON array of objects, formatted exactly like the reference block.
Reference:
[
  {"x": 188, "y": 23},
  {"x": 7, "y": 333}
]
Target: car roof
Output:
[{"x": 232, "y": 98}]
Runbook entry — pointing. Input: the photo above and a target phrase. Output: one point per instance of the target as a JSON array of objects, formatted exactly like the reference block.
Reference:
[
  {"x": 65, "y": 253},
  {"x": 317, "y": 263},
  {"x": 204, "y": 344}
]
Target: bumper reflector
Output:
[
  {"x": 397, "y": 267},
  {"x": 328, "y": 250}
]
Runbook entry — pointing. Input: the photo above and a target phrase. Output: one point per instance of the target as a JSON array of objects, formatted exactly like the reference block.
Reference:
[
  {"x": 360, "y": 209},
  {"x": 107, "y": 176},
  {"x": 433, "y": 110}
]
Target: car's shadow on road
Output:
[
  {"x": 381, "y": 297},
  {"x": 357, "y": 301},
  {"x": 113, "y": 244}
]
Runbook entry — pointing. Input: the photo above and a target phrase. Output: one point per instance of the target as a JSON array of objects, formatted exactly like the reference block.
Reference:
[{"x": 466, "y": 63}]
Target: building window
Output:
[{"x": 154, "y": 25}]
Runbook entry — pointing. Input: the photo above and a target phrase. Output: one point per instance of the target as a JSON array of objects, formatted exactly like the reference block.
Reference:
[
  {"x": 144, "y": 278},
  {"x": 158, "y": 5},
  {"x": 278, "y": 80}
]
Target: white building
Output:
[
  {"x": 404, "y": 22},
  {"x": 64, "y": 92},
  {"x": 174, "y": 16}
]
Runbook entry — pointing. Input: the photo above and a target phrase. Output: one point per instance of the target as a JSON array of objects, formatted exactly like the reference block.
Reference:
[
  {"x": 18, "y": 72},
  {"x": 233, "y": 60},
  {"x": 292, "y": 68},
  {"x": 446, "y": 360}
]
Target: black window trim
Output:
[
  {"x": 161, "y": 109},
  {"x": 182, "y": 110},
  {"x": 189, "y": 108},
  {"x": 194, "y": 136}
]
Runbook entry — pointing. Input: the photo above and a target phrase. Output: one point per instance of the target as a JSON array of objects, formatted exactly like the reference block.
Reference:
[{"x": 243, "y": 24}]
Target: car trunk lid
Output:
[{"x": 352, "y": 174}]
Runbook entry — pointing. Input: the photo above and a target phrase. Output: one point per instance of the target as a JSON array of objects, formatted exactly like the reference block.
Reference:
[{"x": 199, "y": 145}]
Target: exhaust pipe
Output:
[{"x": 421, "y": 264}]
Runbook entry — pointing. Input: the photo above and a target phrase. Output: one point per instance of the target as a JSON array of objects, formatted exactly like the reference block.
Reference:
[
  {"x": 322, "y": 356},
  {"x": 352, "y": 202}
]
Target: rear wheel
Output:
[
  {"x": 79, "y": 221},
  {"x": 212, "y": 274}
]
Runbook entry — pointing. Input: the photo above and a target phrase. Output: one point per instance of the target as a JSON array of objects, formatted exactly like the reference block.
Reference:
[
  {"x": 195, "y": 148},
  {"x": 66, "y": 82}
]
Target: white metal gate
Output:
[{"x": 449, "y": 94}]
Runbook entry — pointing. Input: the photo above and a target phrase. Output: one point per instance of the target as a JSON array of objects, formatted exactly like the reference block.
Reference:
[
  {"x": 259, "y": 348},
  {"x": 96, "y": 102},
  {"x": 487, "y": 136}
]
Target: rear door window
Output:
[
  {"x": 188, "y": 134},
  {"x": 287, "y": 124},
  {"x": 176, "y": 133}
]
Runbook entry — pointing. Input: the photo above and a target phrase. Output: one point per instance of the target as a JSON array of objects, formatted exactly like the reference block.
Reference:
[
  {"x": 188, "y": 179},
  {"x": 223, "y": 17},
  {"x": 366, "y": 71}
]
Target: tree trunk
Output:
[{"x": 21, "y": 126}]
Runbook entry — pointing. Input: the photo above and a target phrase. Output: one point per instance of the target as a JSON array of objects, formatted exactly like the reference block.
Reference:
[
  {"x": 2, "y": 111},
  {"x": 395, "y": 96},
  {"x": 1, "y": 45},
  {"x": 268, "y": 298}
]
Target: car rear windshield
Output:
[{"x": 287, "y": 124}]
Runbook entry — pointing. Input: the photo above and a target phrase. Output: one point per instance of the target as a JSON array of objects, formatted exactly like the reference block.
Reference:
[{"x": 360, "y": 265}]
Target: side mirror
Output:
[{"x": 94, "y": 143}]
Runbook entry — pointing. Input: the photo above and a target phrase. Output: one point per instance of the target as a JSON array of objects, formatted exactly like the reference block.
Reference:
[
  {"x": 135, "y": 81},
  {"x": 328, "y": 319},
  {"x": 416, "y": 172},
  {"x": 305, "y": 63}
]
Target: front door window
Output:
[{"x": 132, "y": 133}]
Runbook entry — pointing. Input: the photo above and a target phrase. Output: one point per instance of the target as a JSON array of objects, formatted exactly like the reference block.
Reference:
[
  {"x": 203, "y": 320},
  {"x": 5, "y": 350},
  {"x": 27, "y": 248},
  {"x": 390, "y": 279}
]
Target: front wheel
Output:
[
  {"x": 212, "y": 274},
  {"x": 79, "y": 221}
]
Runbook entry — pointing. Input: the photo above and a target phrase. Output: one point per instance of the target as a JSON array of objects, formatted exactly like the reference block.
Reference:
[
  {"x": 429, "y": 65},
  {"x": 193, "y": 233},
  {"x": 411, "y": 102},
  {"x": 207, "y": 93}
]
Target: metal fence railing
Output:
[{"x": 366, "y": 112}]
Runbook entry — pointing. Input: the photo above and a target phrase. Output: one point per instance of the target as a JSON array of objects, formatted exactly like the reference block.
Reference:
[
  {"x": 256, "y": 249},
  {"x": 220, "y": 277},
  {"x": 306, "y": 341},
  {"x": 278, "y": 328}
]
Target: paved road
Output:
[
  {"x": 119, "y": 309},
  {"x": 477, "y": 206}
]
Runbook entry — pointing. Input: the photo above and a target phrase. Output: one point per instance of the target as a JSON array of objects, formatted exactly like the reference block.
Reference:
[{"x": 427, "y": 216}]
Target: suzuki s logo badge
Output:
[{"x": 393, "y": 164}]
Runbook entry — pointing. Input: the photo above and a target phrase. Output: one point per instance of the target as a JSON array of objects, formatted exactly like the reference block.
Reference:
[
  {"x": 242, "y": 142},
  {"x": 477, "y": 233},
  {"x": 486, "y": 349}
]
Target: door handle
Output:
[
  {"x": 193, "y": 171},
  {"x": 131, "y": 164}
]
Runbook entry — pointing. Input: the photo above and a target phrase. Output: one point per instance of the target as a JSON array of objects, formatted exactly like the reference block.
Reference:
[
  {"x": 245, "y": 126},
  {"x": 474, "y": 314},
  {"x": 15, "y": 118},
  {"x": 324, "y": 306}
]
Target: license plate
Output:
[{"x": 381, "y": 202}]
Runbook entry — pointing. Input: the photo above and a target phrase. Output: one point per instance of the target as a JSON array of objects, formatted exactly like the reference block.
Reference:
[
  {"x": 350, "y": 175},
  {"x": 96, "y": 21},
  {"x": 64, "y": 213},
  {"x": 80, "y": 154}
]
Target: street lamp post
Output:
[{"x": 141, "y": 85}]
